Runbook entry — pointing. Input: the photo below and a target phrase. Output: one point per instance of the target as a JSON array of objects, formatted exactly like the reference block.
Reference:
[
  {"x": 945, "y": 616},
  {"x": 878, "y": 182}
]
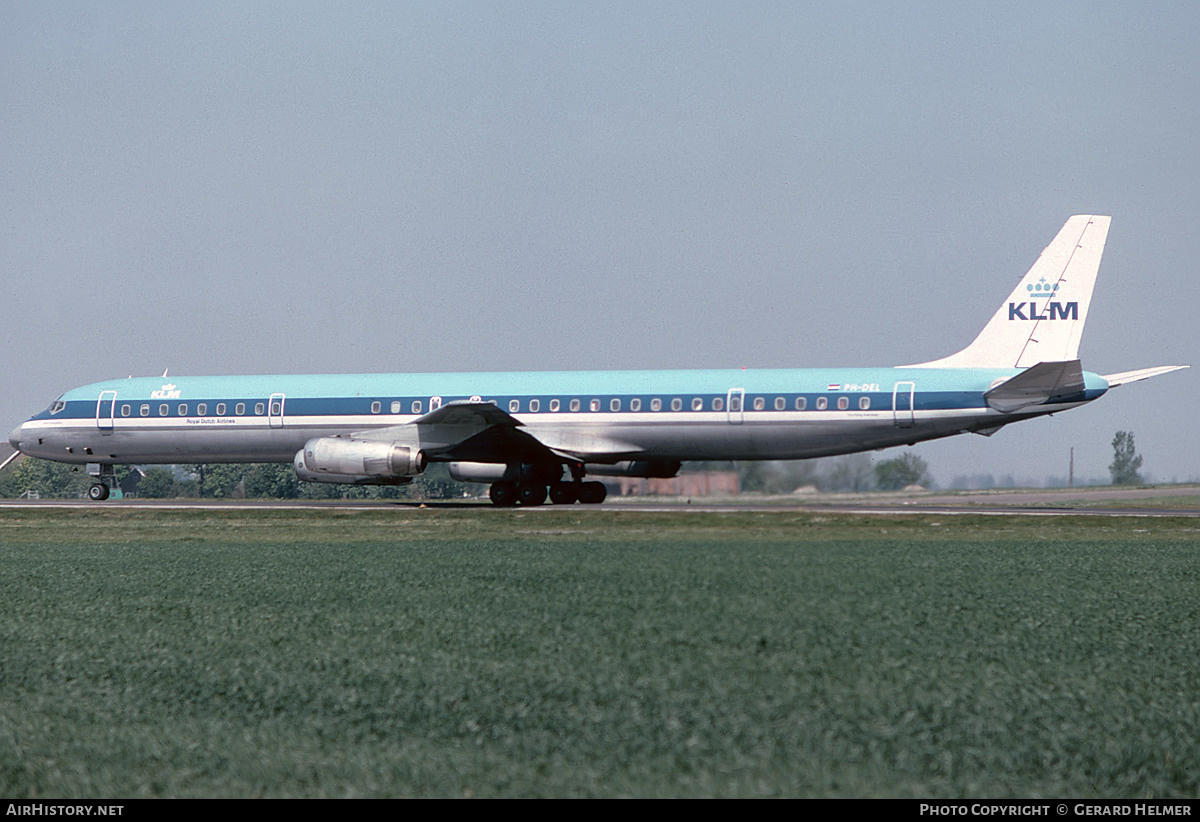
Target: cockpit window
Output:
[{"x": 57, "y": 405}]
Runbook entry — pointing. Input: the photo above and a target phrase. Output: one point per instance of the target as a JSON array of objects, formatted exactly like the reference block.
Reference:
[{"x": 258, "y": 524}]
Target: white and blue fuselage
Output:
[
  {"x": 533, "y": 434},
  {"x": 645, "y": 415}
]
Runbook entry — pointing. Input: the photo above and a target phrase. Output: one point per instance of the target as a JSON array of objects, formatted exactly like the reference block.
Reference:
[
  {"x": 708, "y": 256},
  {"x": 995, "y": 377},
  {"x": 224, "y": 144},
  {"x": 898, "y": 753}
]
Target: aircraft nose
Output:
[{"x": 14, "y": 439}]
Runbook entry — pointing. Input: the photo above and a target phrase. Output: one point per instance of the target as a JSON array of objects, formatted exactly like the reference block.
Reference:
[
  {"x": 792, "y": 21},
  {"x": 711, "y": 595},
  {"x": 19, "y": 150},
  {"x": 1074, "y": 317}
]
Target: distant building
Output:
[{"x": 700, "y": 484}]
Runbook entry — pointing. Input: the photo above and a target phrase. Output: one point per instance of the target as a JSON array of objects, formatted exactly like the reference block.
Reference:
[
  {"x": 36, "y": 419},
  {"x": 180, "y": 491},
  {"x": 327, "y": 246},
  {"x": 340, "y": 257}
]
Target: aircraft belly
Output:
[{"x": 754, "y": 440}]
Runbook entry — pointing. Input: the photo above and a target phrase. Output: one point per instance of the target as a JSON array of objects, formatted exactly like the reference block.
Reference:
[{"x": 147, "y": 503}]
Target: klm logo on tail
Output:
[{"x": 1043, "y": 292}]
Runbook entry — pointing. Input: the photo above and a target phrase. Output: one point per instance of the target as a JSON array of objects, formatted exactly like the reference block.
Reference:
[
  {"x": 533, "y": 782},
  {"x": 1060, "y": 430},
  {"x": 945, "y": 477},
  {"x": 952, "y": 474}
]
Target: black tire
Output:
[
  {"x": 98, "y": 492},
  {"x": 503, "y": 494},
  {"x": 563, "y": 493},
  {"x": 531, "y": 493},
  {"x": 592, "y": 493}
]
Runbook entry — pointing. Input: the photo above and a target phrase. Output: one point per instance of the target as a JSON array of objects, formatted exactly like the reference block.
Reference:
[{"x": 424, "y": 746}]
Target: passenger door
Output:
[
  {"x": 275, "y": 410},
  {"x": 903, "y": 396},
  {"x": 106, "y": 410}
]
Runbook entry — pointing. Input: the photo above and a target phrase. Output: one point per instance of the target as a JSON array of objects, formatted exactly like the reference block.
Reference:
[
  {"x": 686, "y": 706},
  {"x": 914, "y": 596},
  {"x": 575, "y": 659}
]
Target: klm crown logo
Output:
[{"x": 1042, "y": 305}]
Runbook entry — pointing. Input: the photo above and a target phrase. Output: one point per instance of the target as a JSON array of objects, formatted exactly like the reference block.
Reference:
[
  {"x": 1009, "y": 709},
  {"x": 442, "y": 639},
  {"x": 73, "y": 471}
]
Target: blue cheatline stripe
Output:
[
  {"x": 362, "y": 406},
  {"x": 340, "y": 395}
]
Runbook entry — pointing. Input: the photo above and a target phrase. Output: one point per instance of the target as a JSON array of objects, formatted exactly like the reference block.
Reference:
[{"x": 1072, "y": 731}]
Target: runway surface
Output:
[{"x": 1158, "y": 501}]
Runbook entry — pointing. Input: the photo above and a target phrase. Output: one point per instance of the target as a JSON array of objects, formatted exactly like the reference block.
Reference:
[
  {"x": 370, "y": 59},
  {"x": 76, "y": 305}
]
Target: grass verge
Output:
[{"x": 508, "y": 654}]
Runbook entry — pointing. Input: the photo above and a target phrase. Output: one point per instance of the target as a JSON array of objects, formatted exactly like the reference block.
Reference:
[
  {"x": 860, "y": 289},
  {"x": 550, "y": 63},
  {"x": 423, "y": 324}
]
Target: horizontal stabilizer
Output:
[
  {"x": 1034, "y": 386},
  {"x": 1140, "y": 374}
]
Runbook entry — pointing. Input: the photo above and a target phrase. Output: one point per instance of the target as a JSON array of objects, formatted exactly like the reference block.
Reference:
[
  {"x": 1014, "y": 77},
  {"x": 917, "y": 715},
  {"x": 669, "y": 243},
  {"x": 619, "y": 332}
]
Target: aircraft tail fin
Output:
[{"x": 1042, "y": 320}]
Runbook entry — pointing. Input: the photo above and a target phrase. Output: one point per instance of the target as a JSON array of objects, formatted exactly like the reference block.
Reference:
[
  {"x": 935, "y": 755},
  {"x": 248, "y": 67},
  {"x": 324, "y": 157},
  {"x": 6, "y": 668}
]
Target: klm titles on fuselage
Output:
[{"x": 1049, "y": 311}]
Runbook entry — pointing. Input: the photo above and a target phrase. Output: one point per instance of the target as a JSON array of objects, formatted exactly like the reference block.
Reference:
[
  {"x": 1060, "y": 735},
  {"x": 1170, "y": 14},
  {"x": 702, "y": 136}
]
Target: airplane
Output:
[{"x": 539, "y": 435}]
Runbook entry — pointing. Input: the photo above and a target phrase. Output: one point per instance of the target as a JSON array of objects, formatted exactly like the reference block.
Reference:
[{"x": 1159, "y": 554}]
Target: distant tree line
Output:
[
  {"x": 855, "y": 472},
  {"x": 54, "y": 480}
]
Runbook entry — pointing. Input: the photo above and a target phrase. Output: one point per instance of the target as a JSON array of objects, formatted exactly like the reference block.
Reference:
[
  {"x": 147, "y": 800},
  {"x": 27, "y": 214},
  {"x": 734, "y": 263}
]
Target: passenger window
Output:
[
  {"x": 202, "y": 408},
  {"x": 635, "y": 404},
  {"x": 125, "y": 410},
  {"x": 182, "y": 409},
  {"x": 735, "y": 403},
  {"x": 843, "y": 403},
  {"x": 554, "y": 405},
  {"x": 259, "y": 408},
  {"x": 864, "y": 403},
  {"x": 801, "y": 403},
  {"x": 395, "y": 407},
  {"x": 759, "y": 403},
  {"x": 718, "y": 403},
  {"x": 435, "y": 403},
  {"x": 277, "y": 408},
  {"x": 240, "y": 409},
  {"x": 697, "y": 404},
  {"x": 163, "y": 410},
  {"x": 416, "y": 406},
  {"x": 594, "y": 405},
  {"x": 614, "y": 405},
  {"x": 514, "y": 406},
  {"x": 220, "y": 409},
  {"x": 656, "y": 404},
  {"x": 376, "y": 407},
  {"x": 144, "y": 410},
  {"x": 574, "y": 405},
  {"x": 780, "y": 403},
  {"x": 535, "y": 405},
  {"x": 822, "y": 403}
]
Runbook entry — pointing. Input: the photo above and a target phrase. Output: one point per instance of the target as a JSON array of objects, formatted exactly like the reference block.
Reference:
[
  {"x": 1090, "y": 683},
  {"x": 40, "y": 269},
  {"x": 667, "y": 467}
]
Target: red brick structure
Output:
[{"x": 701, "y": 484}]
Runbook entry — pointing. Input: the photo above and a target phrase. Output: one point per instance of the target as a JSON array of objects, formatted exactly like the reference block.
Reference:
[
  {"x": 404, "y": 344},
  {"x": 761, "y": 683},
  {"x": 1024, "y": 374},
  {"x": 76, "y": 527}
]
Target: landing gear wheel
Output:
[
  {"x": 531, "y": 493},
  {"x": 592, "y": 493},
  {"x": 563, "y": 493},
  {"x": 98, "y": 492},
  {"x": 503, "y": 494}
]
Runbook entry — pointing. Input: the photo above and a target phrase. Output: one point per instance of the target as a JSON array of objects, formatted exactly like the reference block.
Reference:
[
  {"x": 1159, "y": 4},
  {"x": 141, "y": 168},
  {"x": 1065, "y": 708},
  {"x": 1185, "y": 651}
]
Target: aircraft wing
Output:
[
  {"x": 481, "y": 432},
  {"x": 465, "y": 412}
]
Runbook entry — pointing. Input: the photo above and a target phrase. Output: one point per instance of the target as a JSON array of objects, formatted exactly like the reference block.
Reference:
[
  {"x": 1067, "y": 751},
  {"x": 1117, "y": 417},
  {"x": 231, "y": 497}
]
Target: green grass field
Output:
[{"x": 486, "y": 653}]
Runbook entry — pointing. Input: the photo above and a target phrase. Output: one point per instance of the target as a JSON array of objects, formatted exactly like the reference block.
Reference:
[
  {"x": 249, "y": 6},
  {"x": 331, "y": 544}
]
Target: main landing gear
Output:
[{"x": 507, "y": 494}]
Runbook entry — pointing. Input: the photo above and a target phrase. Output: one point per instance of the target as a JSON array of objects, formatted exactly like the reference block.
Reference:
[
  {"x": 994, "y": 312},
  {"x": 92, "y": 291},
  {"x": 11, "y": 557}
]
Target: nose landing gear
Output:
[{"x": 106, "y": 478}]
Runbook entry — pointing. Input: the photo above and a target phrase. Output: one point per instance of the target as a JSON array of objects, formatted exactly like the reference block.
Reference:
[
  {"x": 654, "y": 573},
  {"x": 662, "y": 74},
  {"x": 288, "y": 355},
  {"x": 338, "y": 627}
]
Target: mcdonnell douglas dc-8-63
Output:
[{"x": 535, "y": 435}]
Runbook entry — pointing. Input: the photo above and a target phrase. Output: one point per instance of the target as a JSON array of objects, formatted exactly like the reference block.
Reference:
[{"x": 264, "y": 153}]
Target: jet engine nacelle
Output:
[
  {"x": 484, "y": 471},
  {"x": 360, "y": 462},
  {"x": 659, "y": 469}
]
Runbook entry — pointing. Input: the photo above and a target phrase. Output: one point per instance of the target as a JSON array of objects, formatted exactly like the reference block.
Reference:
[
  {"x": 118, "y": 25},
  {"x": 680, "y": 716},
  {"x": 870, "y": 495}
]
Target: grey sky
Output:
[{"x": 305, "y": 187}]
